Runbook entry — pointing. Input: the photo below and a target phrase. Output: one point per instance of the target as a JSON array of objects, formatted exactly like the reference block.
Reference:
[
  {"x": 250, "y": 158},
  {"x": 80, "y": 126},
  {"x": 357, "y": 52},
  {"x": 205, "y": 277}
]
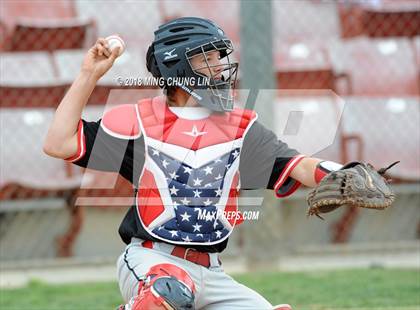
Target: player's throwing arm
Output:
[{"x": 61, "y": 139}]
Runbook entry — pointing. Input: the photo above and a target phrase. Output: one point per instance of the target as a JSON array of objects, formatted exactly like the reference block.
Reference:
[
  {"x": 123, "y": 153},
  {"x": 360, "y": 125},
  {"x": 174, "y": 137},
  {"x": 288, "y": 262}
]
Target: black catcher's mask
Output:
[{"x": 176, "y": 43}]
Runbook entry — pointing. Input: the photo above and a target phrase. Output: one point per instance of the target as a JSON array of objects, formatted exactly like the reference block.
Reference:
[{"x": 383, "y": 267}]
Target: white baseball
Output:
[{"x": 115, "y": 41}]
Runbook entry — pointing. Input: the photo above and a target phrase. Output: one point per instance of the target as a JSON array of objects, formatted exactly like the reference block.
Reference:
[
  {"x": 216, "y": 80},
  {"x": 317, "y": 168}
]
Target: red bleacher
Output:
[
  {"x": 388, "y": 129},
  {"x": 307, "y": 65},
  {"x": 226, "y": 14},
  {"x": 377, "y": 67},
  {"x": 304, "y": 20},
  {"x": 32, "y": 96},
  {"x": 42, "y": 10},
  {"x": 386, "y": 18},
  {"x": 29, "y": 79},
  {"x": 392, "y": 20},
  {"x": 50, "y": 35},
  {"x": 27, "y": 174},
  {"x": 134, "y": 21}
]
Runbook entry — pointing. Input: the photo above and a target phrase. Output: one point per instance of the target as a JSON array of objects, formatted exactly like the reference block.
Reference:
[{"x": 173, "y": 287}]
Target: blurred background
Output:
[{"x": 367, "y": 52}]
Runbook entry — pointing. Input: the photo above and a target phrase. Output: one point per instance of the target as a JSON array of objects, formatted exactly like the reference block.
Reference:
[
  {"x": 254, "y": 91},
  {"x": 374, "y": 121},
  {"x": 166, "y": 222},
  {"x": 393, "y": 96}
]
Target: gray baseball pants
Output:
[{"x": 215, "y": 290}]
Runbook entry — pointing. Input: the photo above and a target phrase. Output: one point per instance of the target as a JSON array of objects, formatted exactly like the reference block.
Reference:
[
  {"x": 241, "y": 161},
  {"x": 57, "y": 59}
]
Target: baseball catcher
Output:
[{"x": 188, "y": 153}]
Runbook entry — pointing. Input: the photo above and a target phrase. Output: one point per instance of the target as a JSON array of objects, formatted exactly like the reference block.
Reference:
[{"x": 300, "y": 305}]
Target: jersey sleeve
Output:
[
  {"x": 267, "y": 162},
  {"x": 99, "y": 150}
]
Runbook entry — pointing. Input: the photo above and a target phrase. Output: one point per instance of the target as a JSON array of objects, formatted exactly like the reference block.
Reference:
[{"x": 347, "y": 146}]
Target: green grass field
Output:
[{"x": 350, "y": 289}]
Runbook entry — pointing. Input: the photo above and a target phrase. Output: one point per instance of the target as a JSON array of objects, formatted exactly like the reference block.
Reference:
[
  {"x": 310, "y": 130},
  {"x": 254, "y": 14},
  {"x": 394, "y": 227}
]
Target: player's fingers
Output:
[
  {"x": 101, "y": 41},
  {"x": 100, "y": 49},
  {"x": 104, "y": 43},
  {"x": 103, "y": 47},
  {"x": 94, "y": 49},
  {"x": 106, "y": 51},
  {"x": 115, "y": 52}
]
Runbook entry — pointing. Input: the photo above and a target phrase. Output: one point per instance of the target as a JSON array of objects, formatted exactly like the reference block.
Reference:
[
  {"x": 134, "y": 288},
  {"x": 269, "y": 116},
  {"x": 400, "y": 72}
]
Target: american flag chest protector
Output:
[{"x": 188, "y": 189}]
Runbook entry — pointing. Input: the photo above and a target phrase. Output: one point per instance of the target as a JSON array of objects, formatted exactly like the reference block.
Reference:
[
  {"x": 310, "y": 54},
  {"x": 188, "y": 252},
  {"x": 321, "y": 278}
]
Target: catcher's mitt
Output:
[{"x": 355, "y": 184}]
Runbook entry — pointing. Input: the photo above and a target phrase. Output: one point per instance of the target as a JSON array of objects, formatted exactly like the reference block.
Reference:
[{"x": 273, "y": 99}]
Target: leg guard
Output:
[
  {"x": 282, "y": 307},
  {"x": 165, "y": 287}
]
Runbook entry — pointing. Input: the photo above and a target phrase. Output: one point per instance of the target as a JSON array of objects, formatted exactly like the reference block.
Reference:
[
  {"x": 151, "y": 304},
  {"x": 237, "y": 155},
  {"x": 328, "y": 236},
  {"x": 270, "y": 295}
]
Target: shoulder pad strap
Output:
[
  {"x": 241, "y": 120},
  {"x": 244, "y": 114},
  {"x": 122, "y": 122}
]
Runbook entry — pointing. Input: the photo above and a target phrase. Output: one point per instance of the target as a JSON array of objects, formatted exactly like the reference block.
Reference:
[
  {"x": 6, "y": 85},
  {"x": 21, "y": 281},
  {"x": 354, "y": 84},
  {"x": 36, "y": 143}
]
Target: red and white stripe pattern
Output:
[
  {"x": 81, "y": 144},
  {"x": 284, "y": 175}
]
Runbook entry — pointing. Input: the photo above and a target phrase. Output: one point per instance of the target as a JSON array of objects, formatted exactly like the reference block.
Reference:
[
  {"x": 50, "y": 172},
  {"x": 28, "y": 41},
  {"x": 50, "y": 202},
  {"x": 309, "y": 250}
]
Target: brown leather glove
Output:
[{"x": 355, "y": 184}]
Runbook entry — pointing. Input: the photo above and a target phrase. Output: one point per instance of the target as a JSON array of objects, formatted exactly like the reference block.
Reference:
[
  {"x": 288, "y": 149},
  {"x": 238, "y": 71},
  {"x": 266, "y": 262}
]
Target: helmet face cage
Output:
[{"x": 221, "y": 88}]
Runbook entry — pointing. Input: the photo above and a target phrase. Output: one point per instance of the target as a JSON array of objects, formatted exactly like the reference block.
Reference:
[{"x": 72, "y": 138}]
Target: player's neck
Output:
[{"x": 179, "y": 98}]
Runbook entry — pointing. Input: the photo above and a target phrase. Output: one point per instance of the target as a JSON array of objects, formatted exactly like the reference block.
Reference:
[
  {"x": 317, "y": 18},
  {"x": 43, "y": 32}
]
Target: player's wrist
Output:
[{"x": 89, "y": 75}]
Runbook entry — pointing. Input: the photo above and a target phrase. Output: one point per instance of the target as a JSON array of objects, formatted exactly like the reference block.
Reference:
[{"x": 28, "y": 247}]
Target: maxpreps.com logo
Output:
[{"x": 169, "y": 55}]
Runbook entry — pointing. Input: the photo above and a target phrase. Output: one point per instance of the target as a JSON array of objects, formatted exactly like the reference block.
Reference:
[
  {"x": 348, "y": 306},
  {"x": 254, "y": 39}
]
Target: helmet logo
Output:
[{"x": 169, "y": 55}]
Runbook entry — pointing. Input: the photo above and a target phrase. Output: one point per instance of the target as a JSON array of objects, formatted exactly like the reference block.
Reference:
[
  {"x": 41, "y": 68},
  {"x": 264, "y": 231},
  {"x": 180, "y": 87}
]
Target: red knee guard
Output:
[
  {"x": 282, "y": 307},
  {"x": 165, "y": 287}
]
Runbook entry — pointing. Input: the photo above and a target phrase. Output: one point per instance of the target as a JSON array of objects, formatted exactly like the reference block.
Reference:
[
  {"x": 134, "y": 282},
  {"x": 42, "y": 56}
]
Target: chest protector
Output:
[{"x": 188, "y": 189}]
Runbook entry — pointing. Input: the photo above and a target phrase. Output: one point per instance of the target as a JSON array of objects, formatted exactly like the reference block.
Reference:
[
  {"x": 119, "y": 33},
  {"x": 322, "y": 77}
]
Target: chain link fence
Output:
[{"x": 366, "y": 53}]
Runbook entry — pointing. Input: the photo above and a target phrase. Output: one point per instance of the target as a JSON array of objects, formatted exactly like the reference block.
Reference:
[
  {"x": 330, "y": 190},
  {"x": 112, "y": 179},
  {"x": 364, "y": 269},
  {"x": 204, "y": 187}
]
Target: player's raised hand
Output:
[{"x": 100, "y": 58}]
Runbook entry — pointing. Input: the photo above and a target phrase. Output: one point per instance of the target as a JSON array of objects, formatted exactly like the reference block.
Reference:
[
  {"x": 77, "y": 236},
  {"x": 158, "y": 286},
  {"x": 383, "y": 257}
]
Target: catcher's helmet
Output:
[{"x": 176, "y": 42}]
